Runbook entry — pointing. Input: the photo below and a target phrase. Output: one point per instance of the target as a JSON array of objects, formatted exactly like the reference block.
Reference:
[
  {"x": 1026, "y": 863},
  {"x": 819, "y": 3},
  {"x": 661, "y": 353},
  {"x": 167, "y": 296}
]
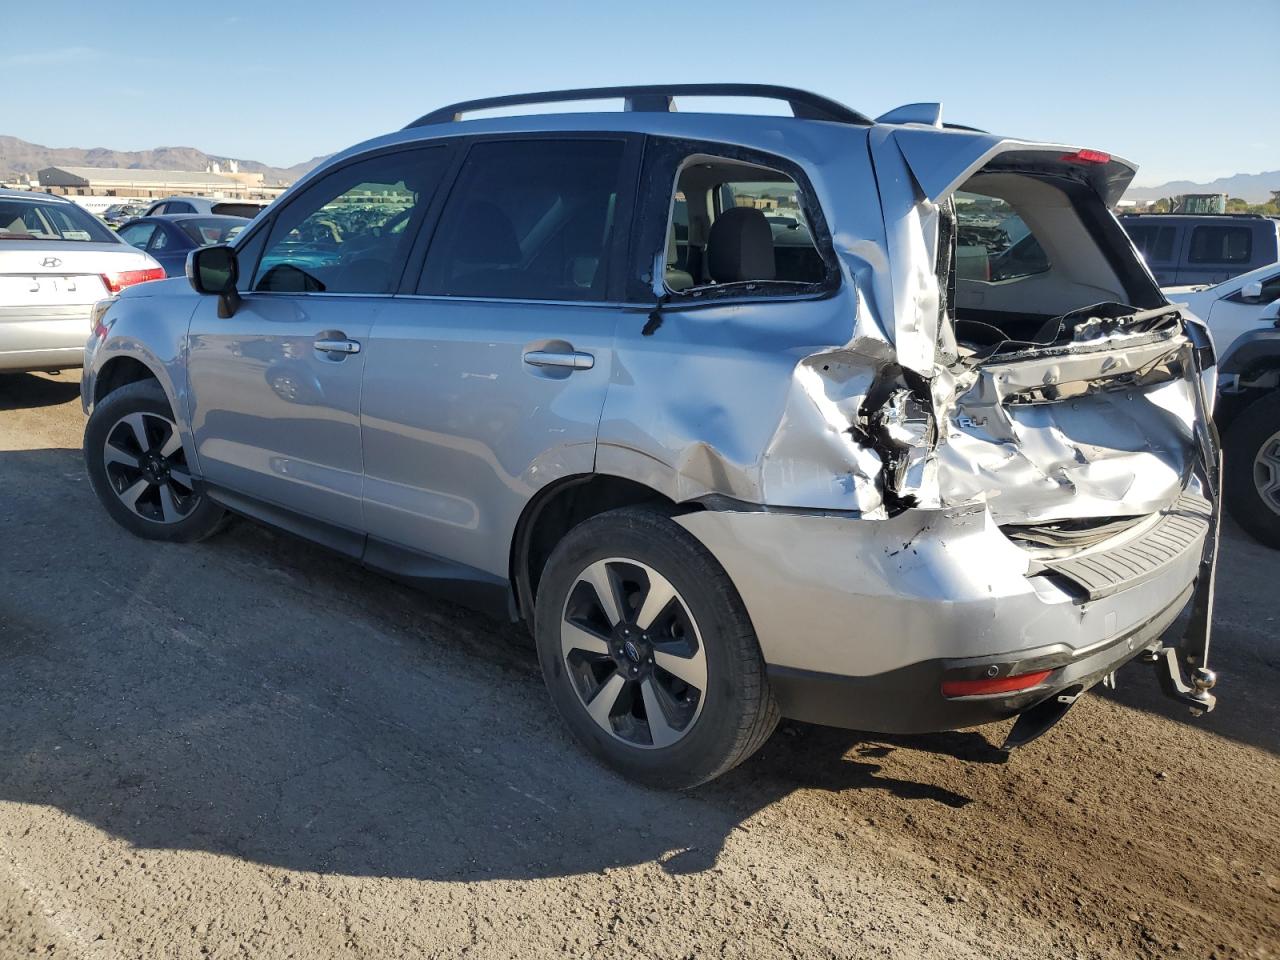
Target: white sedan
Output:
[
  {"x": 1243, "y": 315},
  {"x": 56, "y": 261}
]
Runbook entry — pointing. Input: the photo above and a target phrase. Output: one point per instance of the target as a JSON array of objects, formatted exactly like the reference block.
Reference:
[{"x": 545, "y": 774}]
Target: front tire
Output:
[
  {"x": 648, "y": 651},
  {"x": 1251, "y": 470},
  {"x": 138, "y": 468}
]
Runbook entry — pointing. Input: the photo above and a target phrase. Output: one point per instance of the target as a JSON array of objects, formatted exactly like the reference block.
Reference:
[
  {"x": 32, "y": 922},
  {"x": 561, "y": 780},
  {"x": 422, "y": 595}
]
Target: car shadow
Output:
[
  {"x": 254, "y": 697},
  {"x": 19, "y": 391}
]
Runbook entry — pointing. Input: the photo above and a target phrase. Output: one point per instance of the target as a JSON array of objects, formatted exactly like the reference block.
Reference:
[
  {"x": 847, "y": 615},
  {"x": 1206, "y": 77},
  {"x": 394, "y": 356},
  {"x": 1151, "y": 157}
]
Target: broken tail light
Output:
[{"x": 115, "y": 282}]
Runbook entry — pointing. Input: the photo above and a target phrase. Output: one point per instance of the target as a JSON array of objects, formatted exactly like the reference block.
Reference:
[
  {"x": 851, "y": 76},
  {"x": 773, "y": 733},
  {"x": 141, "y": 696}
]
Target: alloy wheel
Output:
[
  {"x": 633, "y": 653},
  {"x": 1266, "y": 471},
  {"x": 147, "y": 468}
]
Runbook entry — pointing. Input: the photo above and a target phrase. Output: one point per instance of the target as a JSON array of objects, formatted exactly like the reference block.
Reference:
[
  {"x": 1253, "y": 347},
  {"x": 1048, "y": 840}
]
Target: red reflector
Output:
[
  {"x": 1087, "y": 156},
  {"x": 976, "y": 688},
  {"x": 115, "y": 282}
]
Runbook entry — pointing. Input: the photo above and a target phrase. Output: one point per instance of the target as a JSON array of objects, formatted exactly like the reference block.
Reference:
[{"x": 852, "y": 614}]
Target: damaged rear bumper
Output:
[{"x": 860, "y": 623}]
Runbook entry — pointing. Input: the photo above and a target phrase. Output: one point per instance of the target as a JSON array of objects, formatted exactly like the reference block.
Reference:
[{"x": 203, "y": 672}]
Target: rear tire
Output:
[
  {"x": 138, "y": 468},
  {"x": 1251, "y": 469},
  {"x": 663, "y": 681}
]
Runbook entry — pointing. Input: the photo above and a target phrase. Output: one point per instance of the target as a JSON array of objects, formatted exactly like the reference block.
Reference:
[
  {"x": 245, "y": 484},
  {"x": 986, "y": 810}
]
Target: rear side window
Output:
[
  {"x": 737, "y": 227},
  {"x": 137, "y": 234},
  {"x": 992, "y": 241},
  {"x": 213, "y": 230},
  {"x": 1223, "y": 244},
  {"x": 180, "y": 207},
  {"x": 528, "y": 219},
  {"x": 350, "y": 232},
  {"x": 1155, "y": 243}
]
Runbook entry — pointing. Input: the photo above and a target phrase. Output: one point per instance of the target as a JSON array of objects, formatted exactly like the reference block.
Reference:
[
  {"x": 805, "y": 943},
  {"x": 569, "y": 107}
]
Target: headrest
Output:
[{"x": 740, "y": 246}]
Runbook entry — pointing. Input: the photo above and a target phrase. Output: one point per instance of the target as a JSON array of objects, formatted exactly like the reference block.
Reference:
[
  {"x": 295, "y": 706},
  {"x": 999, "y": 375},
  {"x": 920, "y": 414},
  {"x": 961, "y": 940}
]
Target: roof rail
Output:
[{"x": 658, "y": 99}]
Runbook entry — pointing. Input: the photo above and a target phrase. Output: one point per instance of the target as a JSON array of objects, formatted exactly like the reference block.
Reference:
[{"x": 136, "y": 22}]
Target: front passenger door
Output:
[
  {"x": 274, "y": 390},
  {"x": 489, "y": 383}
]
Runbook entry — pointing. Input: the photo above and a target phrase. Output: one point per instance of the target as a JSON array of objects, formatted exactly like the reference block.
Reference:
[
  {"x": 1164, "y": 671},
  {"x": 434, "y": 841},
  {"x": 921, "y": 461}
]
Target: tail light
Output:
[
  {"x": 115, "y": 282},
  {"x": 986, "y": 686},
  {"x": 1087, "y": 156}
]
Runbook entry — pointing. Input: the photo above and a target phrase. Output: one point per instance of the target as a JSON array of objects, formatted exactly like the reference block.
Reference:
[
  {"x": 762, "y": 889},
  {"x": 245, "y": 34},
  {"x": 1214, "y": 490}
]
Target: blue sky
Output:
[{"x": 281, "y": 82}]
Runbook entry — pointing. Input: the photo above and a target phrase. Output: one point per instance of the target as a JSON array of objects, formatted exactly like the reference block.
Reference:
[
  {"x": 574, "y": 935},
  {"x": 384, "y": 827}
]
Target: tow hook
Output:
[{"x": 1195, "y": 692}]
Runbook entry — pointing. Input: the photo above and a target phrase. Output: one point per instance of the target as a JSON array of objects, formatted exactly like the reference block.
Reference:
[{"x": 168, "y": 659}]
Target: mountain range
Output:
[
  {"x": 1253, "y": 187},
  {"x": 20, "y": 157}
]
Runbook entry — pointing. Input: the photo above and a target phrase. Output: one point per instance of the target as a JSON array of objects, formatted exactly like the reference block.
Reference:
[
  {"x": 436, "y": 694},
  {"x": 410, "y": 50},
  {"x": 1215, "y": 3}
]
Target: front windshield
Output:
[{"x": 23, "y": 219}]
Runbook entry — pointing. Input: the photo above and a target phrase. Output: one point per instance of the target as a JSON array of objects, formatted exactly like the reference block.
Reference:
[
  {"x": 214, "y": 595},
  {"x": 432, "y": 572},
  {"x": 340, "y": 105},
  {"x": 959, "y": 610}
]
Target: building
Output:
[{"x": 118, "y": 182}]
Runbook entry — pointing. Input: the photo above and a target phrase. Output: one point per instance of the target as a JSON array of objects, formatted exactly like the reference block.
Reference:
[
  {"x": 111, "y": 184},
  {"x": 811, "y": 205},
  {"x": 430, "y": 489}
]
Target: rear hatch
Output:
[{"x": 1063, "y": 386}]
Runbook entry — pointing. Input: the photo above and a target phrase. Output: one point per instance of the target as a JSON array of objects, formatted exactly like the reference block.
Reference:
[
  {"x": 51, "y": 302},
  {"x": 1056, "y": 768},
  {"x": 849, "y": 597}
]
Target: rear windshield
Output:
[
  {"x": 22, "y": 219},
  {"x": 206, "y": 230}
]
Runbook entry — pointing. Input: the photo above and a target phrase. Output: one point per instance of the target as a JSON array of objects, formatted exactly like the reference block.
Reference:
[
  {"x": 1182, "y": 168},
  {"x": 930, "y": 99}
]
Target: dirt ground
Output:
[{"x": 249, "y": 748}]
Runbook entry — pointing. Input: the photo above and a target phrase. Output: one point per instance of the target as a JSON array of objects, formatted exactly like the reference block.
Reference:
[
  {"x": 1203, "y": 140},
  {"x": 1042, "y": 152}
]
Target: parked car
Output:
[
  {"x": 170, "y": 238},
  {"x": 206, "y": 205},
  {"x": 834, "y": 482},
  {"x": 1243, "y": 315},
  {"x": 56, "y": 261},
  {"x": 119, "y": 213},
  {"x": 1203, "y": 248}
]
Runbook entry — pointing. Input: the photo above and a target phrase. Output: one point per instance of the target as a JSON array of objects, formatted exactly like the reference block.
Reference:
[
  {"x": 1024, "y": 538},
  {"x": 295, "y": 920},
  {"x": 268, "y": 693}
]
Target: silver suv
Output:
[{"x": 880, "y": 424}]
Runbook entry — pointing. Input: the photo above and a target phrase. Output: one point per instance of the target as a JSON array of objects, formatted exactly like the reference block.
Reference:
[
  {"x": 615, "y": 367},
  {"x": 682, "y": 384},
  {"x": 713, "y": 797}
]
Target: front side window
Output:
[
  {"x": 992, "y": 241},
  {"x": 528, "y": 219},
  {"x": 1221, "y": 245},
  {"x": 351, "y": 231},
  {"x": 22, "y": 219}
]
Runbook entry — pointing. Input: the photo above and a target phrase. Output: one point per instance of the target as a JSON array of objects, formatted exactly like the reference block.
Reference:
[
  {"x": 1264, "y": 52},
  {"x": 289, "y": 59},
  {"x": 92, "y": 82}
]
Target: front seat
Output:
[
  {"x": 676, "y": 279},
  {"x": 740, "y": 247}
]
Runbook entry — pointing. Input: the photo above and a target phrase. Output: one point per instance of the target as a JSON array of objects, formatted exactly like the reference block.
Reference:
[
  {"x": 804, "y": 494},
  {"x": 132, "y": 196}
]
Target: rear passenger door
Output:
[{"x": 488, "y": 381}]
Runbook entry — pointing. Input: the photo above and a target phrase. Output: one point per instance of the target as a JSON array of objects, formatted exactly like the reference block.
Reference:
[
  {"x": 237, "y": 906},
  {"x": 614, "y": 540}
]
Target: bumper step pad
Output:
[{"x": 1182, "y": 527}]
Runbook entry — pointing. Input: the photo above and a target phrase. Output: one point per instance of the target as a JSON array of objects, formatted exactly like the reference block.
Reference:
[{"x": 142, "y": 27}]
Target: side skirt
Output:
[{"x": 437, "y": 576}]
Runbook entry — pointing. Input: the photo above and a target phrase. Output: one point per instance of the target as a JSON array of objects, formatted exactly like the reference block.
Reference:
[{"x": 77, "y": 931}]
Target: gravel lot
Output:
[{"x": 251, "y": 748}]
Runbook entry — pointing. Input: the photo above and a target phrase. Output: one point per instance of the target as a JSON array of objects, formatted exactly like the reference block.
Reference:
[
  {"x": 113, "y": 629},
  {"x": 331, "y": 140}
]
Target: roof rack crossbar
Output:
[{"x": 659, "y": 99}]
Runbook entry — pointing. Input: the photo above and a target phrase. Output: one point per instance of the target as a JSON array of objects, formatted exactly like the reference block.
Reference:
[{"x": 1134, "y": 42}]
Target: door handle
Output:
[
  {"x": 574, "y": 359},
  {"x": 338, "y": 346}
]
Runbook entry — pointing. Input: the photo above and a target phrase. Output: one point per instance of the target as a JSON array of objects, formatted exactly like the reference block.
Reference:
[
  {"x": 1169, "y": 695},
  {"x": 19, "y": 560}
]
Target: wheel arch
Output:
[
  {"x": 119, "y": 371},
  {"x": 558, "y": 508}
]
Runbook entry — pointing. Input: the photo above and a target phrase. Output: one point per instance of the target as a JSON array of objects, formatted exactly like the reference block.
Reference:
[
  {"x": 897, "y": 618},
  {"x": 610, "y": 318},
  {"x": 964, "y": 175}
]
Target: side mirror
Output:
[
  {"x": 1251, "y": 291},
  {"x": 213, "y": 270}
]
